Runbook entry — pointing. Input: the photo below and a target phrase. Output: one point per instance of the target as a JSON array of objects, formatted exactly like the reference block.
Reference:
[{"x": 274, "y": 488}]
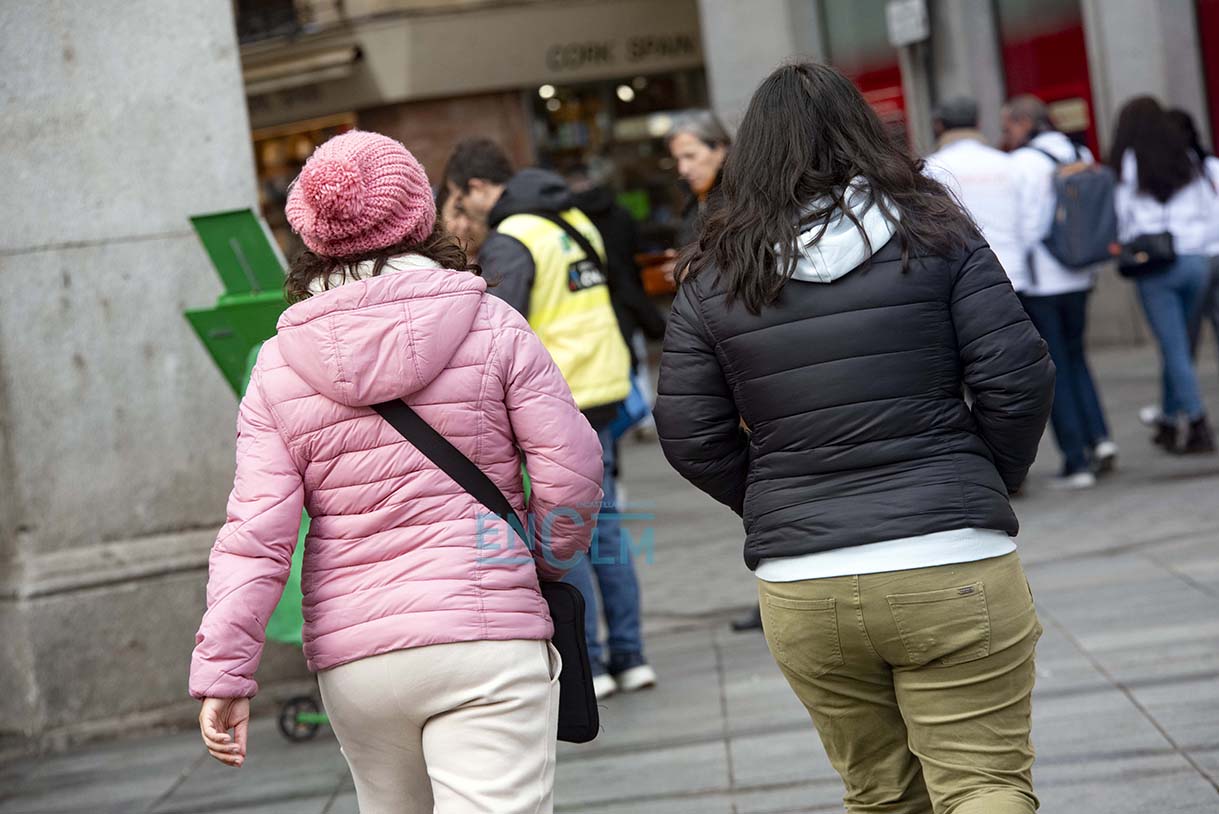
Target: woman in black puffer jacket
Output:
[{"x": 839, "y": 304}]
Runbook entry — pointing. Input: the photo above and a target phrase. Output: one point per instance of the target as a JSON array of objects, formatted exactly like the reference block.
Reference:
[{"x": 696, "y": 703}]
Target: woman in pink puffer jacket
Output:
[{"x": 427, "y": 630}]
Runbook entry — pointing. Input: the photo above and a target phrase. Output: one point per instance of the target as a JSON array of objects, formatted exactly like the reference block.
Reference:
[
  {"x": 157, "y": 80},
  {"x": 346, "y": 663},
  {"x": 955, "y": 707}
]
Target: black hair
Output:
[
  {"x": 1183, "y": 121},
  {"x": 807, "y": 135},
  {"x": 440, "y": 247},
  {"x": 1161, "y": 150},
  {"x": 957, "y": 113},
  {"x": 479, "y": 158}
]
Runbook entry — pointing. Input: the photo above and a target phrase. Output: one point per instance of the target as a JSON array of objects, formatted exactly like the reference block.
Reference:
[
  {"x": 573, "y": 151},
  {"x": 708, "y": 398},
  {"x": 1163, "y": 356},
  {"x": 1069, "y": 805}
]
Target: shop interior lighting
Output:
[
  {"x": 553, "y": 104},
  {"x": 546, "y": 91},
  {"x": 626, "y": 93}
]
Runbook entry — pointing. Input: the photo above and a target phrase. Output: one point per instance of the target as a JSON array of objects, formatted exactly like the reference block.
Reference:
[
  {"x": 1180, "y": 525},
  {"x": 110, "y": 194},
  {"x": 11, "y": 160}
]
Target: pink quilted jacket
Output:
[{"x": 397, "y": 555}]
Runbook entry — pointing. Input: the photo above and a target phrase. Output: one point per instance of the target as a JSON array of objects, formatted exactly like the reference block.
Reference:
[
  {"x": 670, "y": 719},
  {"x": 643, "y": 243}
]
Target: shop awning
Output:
[{"x": 295, "y": 70}]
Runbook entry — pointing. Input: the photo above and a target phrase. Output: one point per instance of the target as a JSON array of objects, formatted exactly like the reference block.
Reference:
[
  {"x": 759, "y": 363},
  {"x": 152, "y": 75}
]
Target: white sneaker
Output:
[
  {"x": 1105, "y": 457},
  {"x": 604, "y": 686},
  {"x": 1150, "y": 415},
  {"x": 636, "y": 678},
  {"x": 1080, "y": 480}
]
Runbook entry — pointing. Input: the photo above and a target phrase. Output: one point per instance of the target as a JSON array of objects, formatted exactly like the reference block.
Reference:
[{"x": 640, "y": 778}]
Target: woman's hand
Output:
[{"x": 216, "y": 718}]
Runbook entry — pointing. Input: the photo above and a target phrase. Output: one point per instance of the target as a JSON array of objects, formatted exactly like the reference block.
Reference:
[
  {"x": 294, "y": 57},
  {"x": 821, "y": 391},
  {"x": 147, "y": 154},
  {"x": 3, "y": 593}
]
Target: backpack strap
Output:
[
  {"x": 575, "y": 234},
  {"x": 1050, "y": 155}
]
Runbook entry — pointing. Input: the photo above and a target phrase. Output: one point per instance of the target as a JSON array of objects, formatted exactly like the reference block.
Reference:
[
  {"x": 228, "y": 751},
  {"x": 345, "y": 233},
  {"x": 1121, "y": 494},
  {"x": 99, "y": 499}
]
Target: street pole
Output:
[{"x": 916, "y": 89}]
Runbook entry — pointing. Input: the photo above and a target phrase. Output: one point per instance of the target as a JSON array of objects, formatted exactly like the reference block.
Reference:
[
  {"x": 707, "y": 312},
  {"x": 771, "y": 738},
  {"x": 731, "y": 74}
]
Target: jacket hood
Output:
[
  {"x": 529, "y": 191},
  {"x": 594, "y": 201},
  {"x": 841, "y": 249},
  {"x": 381, "y": 338}
]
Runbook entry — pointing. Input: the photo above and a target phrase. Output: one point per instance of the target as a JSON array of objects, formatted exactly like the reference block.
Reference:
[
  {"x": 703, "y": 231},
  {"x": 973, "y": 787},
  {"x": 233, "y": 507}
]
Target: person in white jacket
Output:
[
  {"x": 1164, "y": 189},
  {"x": 1056, "y": 297},
  {"x": 1208, "y": 309},
  {"x": 985, "y": 180}
]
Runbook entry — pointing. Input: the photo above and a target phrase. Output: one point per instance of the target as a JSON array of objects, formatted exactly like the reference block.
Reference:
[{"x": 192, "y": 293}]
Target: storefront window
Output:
[
  {"x": 1045, "y": 54},
  {"x": 615, "y": 130},
  {"x": 858, "y": 41},
  {"x": 279, "y": 153}
]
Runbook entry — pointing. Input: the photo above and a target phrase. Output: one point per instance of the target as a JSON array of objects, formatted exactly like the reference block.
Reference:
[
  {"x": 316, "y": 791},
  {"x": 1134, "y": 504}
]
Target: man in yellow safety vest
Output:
[{"x": 545, "y": 258}]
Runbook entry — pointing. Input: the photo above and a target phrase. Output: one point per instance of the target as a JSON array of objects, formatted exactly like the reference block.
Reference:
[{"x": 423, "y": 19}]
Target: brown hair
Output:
[{"x": 440, "y": 247}]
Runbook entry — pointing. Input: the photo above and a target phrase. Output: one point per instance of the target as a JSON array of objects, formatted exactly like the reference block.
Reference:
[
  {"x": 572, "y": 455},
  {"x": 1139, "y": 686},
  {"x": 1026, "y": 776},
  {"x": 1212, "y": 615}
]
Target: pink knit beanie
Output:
[{"x": 359, "y": 193}]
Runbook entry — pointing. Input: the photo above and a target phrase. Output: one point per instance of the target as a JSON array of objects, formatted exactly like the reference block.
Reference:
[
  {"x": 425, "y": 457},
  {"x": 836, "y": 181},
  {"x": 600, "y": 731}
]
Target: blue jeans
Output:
[
  {"x": 1169, "y": 299},
  {"x": 610, "y": 561},
  {"x": 1207, "y": 310},
  {"x": 1077, "y": 416}
]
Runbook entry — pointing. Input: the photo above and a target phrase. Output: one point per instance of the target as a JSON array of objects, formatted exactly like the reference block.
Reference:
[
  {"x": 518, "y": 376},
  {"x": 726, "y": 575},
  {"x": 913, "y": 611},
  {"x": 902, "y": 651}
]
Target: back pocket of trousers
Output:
[
  {"x": 944, "y": 627},
  {"x": 803, "y": 634}
]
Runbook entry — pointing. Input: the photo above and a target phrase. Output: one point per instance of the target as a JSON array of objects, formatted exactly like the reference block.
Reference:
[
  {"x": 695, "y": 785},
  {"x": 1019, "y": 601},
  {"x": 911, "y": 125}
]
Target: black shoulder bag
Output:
[
  {"x": 1149, "y": 253},
  {"x": 578, "y": 718}
]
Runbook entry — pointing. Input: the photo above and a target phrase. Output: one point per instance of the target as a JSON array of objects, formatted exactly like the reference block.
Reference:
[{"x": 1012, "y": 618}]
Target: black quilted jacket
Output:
[{"x": 854, "y": 393}]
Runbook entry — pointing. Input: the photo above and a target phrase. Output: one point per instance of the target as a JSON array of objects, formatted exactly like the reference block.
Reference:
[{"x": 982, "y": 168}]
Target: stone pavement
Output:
[{"x": 1126, "y": 717}]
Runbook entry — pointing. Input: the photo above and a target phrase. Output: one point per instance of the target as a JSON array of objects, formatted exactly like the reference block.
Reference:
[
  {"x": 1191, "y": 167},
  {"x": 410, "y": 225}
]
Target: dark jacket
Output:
[
  {"x": 506, "y": 262},
  {"x": 853, "y": 387},
  {"x": 634, "y": 309},
  {"x": 692, "y": 214}
]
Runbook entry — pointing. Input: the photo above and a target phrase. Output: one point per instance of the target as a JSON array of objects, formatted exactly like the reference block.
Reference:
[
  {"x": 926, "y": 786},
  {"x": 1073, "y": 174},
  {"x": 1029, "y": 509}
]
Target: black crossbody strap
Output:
[
  {"x": 1048, "y": 154},
  {"x": 450, "y": 460},
  {"x": 575, "y": 234}
]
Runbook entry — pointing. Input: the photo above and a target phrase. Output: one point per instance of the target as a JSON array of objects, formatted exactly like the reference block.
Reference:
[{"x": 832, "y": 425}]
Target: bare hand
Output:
[{"x": 216, "y": 718}]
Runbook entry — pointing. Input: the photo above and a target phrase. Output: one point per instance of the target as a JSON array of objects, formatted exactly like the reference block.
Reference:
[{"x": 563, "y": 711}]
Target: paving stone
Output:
[
  {"x": 643, "y": 774},
  {"x": 275, "y": 771},
  {"x": 794, "y": 799},
  {"x": 684, "y": 804},
  {"x": 1103, "y": 724},
  {"x": 781, "y": 758},
  {"x": 1160, "y": 783},
  {"x": 120, "y": 777},
  {"x": 1187, "y": 710}
]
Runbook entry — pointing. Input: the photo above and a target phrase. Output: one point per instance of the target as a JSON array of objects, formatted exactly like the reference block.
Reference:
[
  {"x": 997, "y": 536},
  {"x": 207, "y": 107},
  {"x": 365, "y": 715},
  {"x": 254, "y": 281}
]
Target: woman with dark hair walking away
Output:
[
  {"x": 1165, "y": 196},
  {"x": 838, "y": 303},
  {"x": 1208, "y": 306}
]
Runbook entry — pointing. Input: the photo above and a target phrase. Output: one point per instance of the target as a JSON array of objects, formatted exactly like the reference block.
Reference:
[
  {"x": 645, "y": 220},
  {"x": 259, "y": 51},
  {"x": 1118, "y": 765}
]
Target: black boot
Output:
[
  {"x": 1166, "y": 435},
  {"x": 749, "y": 620},
  {"x": 1200, "y": 440}
]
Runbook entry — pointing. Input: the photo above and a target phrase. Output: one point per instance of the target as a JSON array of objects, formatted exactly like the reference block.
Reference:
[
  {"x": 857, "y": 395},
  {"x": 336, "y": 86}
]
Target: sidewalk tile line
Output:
[
  {"x": 725, "y": 730},
  {"x": 1186, "y": 578},
  {"x": 182, "y": 778},
  {"x": 1126, "y": 691}
]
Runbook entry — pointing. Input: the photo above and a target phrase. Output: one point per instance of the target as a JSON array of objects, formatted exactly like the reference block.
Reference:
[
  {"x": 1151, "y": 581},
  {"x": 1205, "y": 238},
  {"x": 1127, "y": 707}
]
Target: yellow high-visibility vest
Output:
[{"x": 570, "y": 309}]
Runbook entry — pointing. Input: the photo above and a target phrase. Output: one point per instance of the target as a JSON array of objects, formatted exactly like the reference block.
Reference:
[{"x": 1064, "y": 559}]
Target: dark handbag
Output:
[
  {"x": 1146, "y": 255},
  {"x": 578, "y": 718}
]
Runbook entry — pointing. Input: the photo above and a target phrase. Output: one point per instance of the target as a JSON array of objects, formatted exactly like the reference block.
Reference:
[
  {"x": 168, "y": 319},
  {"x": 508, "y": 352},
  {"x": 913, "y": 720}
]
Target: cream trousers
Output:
[{"x": 451, "y": 728}]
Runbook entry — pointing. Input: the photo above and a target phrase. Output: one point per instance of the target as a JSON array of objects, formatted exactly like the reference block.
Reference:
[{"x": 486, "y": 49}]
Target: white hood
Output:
[{"x": 842, "y": 247}]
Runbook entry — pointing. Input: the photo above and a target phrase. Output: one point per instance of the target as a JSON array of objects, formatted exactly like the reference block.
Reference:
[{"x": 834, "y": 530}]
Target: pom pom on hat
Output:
[{"x": 360, "y": 193}]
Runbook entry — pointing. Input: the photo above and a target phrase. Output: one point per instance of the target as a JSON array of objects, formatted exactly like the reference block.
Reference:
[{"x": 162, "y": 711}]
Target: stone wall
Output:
[{"x": 116, "y": 431}]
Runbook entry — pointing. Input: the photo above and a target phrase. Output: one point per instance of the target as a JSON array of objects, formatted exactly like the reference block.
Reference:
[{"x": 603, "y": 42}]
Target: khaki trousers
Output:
[
  {"x": 919, "y": 683},
  {"x": 464, "y": 728}
]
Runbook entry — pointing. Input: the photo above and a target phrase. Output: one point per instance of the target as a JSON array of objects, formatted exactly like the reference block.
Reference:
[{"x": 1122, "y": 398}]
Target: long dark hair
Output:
[
  {"x": 807, "y": 135},
  {"x": 1160, "y": 148},
  {"x": 440, "y": 247},
  {"x": 1184, "y": 121}
]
